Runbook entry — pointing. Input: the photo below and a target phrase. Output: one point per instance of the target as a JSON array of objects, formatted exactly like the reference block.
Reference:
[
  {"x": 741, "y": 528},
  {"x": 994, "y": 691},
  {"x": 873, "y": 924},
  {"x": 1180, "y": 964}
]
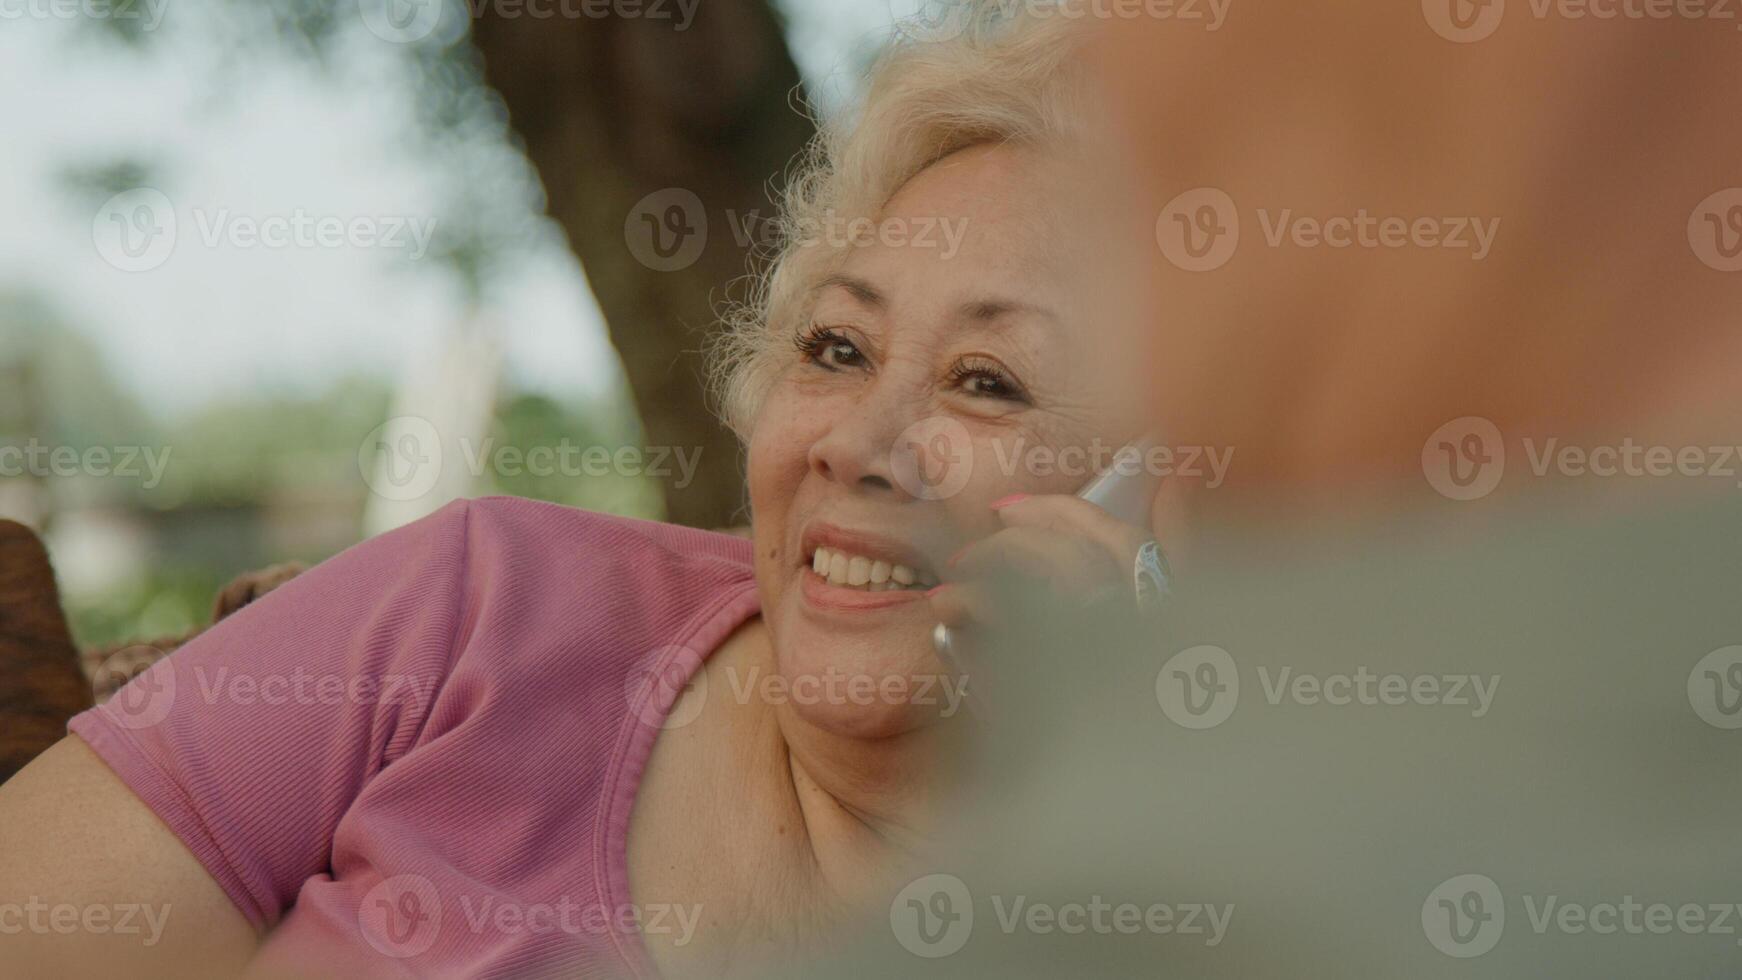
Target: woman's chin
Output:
[{"x": 863, "y": 685}]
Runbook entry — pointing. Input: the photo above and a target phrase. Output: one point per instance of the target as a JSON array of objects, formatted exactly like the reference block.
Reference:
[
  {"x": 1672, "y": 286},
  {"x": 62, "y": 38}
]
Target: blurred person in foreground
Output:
[{"x": 1453, "y": 686}]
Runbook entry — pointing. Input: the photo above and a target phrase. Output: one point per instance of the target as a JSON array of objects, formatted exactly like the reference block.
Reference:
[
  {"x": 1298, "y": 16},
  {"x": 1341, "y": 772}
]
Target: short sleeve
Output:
[{"x": 253, "y": 740}]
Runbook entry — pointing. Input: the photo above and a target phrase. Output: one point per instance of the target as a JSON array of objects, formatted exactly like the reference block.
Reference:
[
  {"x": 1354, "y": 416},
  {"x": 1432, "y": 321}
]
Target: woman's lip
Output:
[{"x": 819, "y": 593}]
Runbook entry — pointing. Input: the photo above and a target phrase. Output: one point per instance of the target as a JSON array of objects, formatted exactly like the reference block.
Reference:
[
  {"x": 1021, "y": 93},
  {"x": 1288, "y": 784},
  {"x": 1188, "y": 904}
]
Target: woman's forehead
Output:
[{"x": 981, "y": 234}]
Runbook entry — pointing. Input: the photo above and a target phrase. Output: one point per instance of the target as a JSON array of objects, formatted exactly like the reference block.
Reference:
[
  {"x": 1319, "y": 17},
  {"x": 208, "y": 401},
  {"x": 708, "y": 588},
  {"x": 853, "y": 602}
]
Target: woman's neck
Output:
[
  {"x": 785, "y": 832},
  {"x": 865, "y": 803}
]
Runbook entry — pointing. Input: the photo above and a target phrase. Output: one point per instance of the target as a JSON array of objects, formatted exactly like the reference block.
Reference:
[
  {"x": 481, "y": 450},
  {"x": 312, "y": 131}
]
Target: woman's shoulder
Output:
[
  {"x": 480, "y": 546},
  {"x": 542, "y": 547},
  {"x": 532, "y": 566},
  {"x": 584, "y": 535}
]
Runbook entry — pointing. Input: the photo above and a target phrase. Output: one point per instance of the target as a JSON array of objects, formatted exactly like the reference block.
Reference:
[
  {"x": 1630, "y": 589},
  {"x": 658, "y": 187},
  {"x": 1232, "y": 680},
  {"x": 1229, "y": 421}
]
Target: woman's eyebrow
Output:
[
  {"x": 860, "y": 290},
  {"x": 987, "y": 310}
]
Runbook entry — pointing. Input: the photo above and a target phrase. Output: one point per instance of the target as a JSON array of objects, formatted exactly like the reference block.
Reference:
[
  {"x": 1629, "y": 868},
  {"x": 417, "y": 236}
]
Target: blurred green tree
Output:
[{"x": 583, "y": 116}]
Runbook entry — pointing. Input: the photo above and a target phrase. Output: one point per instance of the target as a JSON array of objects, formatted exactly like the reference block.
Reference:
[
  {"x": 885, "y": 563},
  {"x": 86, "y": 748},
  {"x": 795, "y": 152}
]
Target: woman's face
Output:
[{"x": 945, "y": 365}]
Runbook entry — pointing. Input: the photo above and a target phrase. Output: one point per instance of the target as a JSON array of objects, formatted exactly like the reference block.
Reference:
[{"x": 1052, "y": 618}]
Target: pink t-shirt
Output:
[{"x": 419, "y": 758}]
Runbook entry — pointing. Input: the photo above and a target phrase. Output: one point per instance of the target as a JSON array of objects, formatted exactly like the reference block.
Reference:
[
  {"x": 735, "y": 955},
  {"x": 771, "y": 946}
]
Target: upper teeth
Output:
[{"x": 872, "y": 574}]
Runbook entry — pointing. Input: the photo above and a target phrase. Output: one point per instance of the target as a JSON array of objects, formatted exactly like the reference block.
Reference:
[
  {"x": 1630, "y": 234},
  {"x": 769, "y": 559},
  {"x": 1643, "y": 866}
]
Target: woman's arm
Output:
[{"x": 93, "y": 884}]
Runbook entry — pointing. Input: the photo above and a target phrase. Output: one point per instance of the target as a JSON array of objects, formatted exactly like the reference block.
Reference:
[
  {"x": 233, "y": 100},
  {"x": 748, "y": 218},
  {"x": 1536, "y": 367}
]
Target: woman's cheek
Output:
[
  {"x": 1012, "y": 464},
  {"x": 781, "y": 437}
]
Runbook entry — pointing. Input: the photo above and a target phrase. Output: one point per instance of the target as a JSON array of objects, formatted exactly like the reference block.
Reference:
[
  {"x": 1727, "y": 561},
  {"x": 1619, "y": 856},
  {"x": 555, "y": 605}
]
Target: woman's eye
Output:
[
  {"x": 830, "y": 350},
  {"x": 987, "y": 382}
]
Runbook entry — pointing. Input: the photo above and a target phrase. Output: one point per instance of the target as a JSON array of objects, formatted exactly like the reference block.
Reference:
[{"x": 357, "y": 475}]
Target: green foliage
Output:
[
  {"x": 530, "y": 421},
  {"x": 165, "y": 601}
]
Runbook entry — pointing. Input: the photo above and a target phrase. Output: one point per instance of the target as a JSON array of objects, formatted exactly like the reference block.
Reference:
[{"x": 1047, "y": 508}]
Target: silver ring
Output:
[
  {"x": 944, "y": 643},
  {"x": 1151, "y": 577}
]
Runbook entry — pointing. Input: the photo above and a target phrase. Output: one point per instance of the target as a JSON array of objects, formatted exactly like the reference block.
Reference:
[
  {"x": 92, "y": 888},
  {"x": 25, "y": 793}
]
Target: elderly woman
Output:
[{"x": 516, "y": 738}]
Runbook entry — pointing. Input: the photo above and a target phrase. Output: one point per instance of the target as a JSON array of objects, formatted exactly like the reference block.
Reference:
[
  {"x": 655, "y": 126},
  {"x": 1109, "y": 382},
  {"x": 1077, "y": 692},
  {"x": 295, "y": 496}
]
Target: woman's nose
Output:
[{"x": 856, "y": 449}]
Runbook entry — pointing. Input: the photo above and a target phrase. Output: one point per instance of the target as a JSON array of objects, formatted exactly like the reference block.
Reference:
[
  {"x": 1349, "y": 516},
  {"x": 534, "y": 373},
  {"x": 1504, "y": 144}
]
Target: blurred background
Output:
[{"x": 282, "y": 274}]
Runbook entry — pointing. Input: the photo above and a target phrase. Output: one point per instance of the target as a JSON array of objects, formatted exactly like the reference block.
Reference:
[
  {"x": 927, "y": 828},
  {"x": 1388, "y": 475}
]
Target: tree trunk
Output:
[{"x": 612, "y": 110}]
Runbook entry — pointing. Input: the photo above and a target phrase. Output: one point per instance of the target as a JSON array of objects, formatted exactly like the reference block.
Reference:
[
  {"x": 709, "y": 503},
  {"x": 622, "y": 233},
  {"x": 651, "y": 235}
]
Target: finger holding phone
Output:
[{"x": 1091, "y": 547}]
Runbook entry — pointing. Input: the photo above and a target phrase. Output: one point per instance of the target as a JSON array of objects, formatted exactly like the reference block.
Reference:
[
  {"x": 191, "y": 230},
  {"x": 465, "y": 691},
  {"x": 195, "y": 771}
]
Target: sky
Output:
[{"x": 223, "y": 315}]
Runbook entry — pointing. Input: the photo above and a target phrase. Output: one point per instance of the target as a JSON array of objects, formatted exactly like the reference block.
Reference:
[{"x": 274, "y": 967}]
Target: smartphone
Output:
[{"x": 1127, "y": 487}]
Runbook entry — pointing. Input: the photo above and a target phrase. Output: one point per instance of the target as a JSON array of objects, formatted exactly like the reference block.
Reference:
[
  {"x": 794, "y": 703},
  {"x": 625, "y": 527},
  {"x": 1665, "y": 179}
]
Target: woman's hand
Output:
[{"x": 1067, "y": 546}]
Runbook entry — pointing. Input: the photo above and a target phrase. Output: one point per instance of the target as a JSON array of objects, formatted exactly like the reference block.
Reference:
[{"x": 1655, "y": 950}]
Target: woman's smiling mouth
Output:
[
  {"x": 852, "y": 570},
  {"x": 859, "y": 572}
]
